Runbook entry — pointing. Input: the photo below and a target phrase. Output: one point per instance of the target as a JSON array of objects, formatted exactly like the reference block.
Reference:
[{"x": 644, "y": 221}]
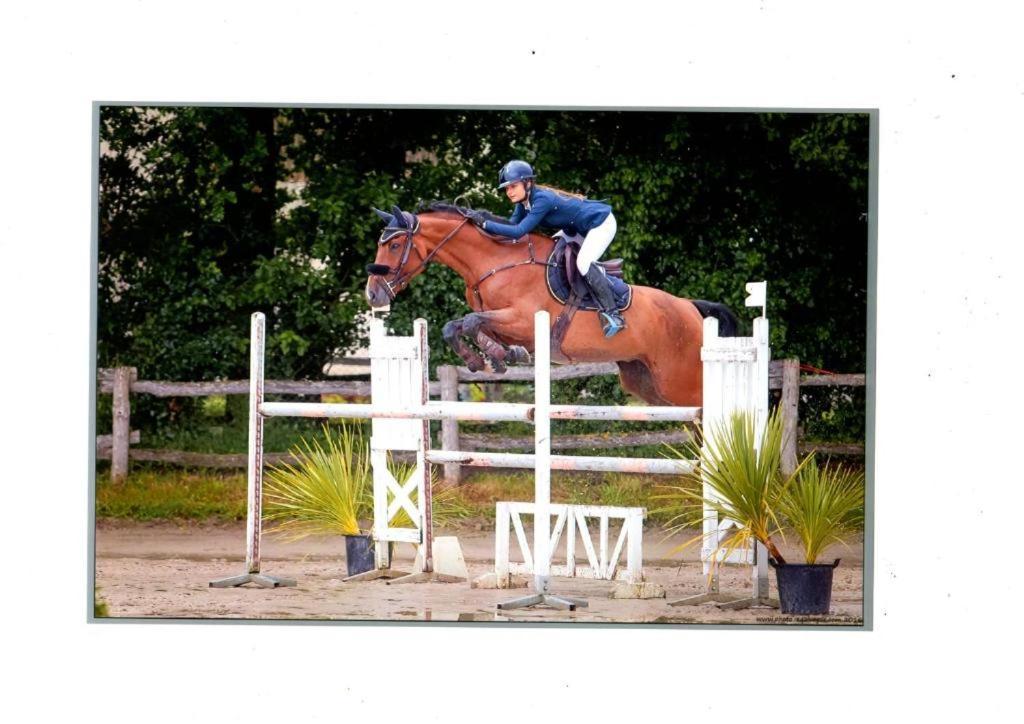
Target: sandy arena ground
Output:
[{"x": 162, "y": 570}]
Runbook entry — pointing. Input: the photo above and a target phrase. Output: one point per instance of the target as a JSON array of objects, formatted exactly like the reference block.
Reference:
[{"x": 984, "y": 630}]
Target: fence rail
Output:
[{"x": 122, "y": 382}]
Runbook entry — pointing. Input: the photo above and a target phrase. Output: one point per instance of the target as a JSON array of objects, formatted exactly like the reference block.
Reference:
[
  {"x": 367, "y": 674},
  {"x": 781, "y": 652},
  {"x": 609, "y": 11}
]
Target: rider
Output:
[{"x": 574, "y": 215}]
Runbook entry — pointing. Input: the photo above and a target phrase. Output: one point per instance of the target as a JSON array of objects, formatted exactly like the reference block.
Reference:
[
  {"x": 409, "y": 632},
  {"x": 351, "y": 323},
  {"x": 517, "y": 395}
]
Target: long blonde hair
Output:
[{"x": 571, "y": 194}]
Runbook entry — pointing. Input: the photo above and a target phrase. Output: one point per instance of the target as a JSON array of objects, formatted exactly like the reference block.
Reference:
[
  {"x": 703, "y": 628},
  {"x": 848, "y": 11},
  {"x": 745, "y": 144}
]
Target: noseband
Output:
[{"x": 400, "y": 279}]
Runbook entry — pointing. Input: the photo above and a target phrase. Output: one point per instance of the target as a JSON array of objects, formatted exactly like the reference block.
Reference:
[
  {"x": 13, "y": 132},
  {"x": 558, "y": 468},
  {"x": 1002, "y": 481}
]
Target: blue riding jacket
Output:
[{"x": 571, "y": 215}]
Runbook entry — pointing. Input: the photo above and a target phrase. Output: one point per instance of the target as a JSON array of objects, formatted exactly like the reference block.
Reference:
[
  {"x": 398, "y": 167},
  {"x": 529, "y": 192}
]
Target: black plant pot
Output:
[
  {"x": 804, "y": 588},
  {"x": 359, "y": 556}
]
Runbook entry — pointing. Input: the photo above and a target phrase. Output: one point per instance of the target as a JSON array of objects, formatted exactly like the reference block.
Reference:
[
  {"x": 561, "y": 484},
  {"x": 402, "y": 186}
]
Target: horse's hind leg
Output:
[{"x": 636, "y": 379}]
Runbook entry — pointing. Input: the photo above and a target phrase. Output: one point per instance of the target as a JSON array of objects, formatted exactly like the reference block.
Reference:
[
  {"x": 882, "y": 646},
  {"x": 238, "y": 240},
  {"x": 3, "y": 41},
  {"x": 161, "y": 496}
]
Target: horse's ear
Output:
[
  {"x": 387, "y": 218},
  {"x": 399, "y": 216}
]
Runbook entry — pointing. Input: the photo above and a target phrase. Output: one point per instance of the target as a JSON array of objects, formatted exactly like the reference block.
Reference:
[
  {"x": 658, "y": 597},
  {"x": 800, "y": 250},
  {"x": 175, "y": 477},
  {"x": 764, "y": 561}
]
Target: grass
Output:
[
  {"x": 155, "y": 492},
  {"x": 173, "y": 494},
  {"x": 99, "y": 606}
]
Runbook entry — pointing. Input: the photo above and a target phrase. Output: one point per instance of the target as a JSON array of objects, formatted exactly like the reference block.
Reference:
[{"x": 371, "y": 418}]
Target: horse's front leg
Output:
[
  {"x": 453, "y": 333},
  {"x": 479, "y": 327}
]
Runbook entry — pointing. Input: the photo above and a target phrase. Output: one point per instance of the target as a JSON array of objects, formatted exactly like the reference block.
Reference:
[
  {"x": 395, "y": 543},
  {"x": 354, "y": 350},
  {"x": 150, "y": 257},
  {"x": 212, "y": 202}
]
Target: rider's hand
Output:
[{"x": 477, "y": 217}]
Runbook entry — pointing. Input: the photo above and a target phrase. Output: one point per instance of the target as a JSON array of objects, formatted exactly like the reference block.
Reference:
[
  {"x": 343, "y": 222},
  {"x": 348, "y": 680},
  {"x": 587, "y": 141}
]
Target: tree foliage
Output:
[{"x": 209, "y": 214}]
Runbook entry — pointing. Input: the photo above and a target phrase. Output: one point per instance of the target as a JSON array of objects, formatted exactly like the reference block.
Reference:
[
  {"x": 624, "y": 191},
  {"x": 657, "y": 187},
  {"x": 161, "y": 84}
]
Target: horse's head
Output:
[{"x": 396, "y": 264}]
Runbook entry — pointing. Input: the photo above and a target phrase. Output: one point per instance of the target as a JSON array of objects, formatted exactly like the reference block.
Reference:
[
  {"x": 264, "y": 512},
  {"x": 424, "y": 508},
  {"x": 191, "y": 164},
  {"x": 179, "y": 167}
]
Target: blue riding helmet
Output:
[{"x": 514, "y": 171}]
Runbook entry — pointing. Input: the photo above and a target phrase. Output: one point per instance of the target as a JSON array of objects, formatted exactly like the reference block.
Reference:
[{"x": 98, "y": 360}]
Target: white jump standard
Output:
[{"x": 735, "y": 379}]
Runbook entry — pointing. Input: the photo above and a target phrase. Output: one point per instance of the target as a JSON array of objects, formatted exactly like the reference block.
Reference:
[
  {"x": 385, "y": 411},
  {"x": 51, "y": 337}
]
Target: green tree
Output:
[{"x": 209, "y": 214}]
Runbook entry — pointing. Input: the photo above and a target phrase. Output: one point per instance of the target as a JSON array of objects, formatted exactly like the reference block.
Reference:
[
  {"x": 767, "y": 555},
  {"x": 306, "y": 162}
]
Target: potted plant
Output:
[
  {"x": 743, "y": 478},
  {"x": 746, "y": 485},
  {"x": 327, "y": 491},
  {"x": 822, "y": 506},
  {"x": 330, "y": 490}
]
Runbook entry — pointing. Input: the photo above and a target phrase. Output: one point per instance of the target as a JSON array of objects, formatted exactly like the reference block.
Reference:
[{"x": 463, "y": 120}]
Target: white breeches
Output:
[{"x": 595, "y": 243}]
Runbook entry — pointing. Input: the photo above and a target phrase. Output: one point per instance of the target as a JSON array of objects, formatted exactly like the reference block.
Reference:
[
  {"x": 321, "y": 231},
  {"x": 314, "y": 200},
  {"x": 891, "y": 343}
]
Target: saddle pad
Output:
[{"x": 558, "y": 285}]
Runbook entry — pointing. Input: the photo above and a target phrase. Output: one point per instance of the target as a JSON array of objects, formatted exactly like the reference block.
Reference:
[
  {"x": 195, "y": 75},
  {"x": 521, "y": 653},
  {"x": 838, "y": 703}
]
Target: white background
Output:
[{"x": 949, "y": 80}]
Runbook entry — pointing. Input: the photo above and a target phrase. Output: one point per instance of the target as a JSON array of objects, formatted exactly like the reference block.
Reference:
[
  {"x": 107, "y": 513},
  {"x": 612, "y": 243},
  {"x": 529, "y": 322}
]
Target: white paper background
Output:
[{"x": 949, "y": 80}]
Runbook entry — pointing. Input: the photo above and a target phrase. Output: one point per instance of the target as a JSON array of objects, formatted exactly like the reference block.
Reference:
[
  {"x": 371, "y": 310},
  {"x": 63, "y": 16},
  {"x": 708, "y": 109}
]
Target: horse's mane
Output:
[{"x": 447, "y": 207}]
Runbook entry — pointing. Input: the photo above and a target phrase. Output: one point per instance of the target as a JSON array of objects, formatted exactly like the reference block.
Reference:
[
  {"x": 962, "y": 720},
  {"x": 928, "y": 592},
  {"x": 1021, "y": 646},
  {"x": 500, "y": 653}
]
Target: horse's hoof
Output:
[
  {"x": 498, "y": 366},
  {"x": 518, "y": 355},
  {"x": 475, "y": 364}
]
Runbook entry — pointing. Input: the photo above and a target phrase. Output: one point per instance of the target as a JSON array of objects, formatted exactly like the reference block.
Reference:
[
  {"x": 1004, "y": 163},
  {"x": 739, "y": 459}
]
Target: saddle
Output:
[{"x": 567, "y": 285}]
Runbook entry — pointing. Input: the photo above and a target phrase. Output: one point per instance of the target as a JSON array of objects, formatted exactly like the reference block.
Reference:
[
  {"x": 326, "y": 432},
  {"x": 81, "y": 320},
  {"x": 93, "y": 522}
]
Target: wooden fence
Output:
[{"x": 122, "y": 382}]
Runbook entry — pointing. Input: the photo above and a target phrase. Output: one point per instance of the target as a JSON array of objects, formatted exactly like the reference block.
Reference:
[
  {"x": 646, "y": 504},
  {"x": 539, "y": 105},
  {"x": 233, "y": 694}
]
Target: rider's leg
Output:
[
  {"x": 591, "y": 250},
  {"x": 595, "y": 243}
]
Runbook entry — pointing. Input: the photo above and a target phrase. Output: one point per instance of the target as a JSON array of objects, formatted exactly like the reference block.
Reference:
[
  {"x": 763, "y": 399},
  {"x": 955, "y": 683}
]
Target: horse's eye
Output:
[{"x": 394, "y": 247}]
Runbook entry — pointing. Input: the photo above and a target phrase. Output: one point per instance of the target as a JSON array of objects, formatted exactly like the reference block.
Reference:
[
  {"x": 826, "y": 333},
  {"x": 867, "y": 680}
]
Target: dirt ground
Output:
[{"x": 162, "y": 570}]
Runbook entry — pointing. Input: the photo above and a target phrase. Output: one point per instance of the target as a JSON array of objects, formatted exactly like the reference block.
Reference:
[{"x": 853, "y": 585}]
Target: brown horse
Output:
[{"x": 658, "y": 353}]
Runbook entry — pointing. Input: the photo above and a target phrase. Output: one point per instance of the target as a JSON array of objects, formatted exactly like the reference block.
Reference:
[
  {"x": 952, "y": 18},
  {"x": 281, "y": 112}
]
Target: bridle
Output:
[{"x": 400, "y": 278}]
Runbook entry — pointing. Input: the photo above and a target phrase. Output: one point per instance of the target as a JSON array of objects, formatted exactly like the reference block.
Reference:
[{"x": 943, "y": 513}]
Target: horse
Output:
[{"x": 658, "y": 352}]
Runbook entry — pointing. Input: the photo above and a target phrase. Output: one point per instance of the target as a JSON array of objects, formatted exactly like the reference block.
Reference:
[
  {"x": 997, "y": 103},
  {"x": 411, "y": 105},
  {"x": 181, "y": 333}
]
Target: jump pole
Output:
[{"x": 542, "y": 471}]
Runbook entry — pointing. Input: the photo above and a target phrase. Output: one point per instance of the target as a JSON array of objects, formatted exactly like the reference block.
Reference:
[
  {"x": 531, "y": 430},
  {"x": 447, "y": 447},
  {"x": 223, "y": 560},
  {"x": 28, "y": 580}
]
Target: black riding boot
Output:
[{"x": 611, "y": 320}]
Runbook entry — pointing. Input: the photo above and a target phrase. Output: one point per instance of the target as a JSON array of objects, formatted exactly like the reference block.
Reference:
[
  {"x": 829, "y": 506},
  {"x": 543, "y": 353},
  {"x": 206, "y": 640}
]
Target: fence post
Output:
[
  {"x": 789, "y": 404},
  {"x": 121, "y": 438},
  {"x": 449, "y": 378}
]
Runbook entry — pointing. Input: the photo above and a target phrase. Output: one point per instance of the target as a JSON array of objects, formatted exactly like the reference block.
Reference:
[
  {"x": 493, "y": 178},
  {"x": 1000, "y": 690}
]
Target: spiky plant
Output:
[
  {"x": 330, "y": 489},
  {"x": 327, "y": 492},
  {"x": 743, "y": 479},
  {"x": 822, "y": 506}
]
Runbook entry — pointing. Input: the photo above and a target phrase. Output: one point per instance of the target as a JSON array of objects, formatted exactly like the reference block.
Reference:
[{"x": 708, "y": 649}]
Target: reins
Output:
[{"x": 401, "y": 277}]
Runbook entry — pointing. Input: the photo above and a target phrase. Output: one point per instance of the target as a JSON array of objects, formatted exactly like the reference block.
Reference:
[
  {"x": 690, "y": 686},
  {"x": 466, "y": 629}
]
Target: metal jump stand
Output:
[
  {"x": 254, "y": 522},
  {"x": 542, "y": 595}
]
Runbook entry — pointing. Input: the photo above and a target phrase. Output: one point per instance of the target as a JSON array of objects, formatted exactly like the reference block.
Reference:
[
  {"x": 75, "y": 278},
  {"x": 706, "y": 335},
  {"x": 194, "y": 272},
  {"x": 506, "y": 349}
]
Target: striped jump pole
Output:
[{"x": 254, "y": 512}]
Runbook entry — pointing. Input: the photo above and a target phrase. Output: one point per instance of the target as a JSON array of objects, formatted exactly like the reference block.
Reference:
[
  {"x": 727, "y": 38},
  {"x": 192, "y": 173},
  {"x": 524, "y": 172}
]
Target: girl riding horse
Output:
[{"x": 575, "y": 216}]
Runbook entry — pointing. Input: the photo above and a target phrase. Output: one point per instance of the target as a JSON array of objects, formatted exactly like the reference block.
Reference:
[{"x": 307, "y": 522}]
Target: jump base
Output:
[
  {"x": 428, "y": 577},
  {"x": 731, "y": 603},
  {"x": 261, "y": 580},
  {"x": 563, "y": 603},
  {"x": 374, "y": 575}
]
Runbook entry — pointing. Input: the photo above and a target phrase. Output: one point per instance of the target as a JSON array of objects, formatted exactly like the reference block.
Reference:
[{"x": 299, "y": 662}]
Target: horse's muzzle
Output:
[{"x": 379, "y": 292}]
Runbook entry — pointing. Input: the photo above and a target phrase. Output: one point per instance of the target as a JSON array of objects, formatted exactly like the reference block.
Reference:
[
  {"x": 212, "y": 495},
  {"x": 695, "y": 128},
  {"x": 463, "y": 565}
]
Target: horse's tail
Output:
[{"x": 728, "y": 324}]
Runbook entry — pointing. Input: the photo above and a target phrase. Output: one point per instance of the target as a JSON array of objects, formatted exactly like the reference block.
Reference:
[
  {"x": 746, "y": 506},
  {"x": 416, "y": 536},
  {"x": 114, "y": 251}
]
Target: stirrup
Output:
[{"x": 612, "y": 324}]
